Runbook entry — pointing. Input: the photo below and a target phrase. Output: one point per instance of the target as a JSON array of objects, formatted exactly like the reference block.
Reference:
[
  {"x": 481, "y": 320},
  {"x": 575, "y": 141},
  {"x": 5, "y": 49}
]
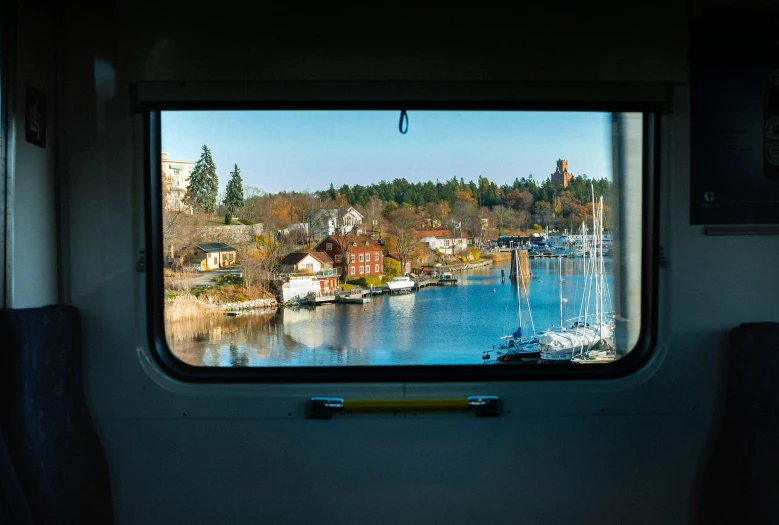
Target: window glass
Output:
[{"x": 520, "y": 235}]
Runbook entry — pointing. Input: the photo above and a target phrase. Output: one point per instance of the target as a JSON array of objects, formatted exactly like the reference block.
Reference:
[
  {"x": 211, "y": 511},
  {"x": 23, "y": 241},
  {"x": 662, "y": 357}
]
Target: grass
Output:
[
  {"x": 186, "y": 307},
  {"x": 170, "y": 294}
]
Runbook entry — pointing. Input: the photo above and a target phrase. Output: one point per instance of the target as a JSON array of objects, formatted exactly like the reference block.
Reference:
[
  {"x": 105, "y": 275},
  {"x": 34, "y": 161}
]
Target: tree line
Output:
[{"x": 393, "y": 211}]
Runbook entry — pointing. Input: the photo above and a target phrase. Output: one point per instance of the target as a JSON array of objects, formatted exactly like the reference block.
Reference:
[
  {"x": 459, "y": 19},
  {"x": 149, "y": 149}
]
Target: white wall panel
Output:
[{"x": 31, "y": 221}]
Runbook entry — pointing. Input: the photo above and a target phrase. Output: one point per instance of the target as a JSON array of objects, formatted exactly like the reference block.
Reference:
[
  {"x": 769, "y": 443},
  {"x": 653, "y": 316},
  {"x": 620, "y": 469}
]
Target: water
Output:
[{"x": 436, "y": 325}]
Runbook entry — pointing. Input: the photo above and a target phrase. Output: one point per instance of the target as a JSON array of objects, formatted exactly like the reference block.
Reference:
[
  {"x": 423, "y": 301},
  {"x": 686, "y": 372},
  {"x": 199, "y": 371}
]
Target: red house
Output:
[{"x": 354, "y": 255}]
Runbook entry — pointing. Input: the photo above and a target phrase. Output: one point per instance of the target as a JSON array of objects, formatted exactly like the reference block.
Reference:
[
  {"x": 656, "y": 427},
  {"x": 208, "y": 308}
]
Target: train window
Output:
[{"x": 506, "y": 243}]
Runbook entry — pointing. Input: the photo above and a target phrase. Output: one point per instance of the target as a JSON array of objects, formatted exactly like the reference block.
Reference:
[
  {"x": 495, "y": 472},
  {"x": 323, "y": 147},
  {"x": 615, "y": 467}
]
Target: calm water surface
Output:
[{"x": 437, "y": 325}]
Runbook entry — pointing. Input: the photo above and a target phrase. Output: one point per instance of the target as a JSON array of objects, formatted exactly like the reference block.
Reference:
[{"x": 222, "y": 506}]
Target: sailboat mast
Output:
[
  {"x": 527, "y": 299},
  {"x": 517, "y": 278},
  {"x": 600, "y": 269},
  {"x": 595, "y": 247},
  {"x": 560, "y": 265}
]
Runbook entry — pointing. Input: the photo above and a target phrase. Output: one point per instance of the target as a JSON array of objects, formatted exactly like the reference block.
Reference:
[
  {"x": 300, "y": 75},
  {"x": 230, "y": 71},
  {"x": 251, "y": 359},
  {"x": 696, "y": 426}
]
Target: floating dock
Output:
[
  {"x": 320, "y": 299},
  {"x": 354, "y": 296}
]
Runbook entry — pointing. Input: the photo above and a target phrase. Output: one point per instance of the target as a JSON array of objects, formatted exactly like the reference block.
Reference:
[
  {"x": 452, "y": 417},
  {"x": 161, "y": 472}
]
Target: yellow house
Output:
[{"x": 213, "y": 255}]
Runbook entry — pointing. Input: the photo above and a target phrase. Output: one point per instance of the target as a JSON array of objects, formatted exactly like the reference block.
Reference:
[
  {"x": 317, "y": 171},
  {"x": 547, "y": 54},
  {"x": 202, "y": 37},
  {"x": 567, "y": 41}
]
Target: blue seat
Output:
[{"x": 48, "y": 431}]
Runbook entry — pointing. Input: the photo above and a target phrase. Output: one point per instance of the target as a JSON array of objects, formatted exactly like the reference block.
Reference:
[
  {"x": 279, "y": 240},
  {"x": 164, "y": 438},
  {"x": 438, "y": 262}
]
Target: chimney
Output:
[{"x": 164, "y": 155}]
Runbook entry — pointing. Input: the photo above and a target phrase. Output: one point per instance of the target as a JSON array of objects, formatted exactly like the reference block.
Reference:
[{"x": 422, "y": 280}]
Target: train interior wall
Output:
[{"x": 626, "y": 450}]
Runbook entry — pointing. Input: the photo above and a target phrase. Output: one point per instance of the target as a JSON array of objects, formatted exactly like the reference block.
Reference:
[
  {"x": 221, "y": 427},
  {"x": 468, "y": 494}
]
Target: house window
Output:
[{"x": 623, "y": 309}]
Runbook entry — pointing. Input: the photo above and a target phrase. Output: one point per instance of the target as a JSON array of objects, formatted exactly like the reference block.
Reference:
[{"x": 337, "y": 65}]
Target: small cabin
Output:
[{"x": 213, "y": 255}]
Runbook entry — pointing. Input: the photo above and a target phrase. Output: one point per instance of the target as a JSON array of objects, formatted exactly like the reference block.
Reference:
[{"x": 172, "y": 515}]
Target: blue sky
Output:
[{"x": 296, "y": 150}]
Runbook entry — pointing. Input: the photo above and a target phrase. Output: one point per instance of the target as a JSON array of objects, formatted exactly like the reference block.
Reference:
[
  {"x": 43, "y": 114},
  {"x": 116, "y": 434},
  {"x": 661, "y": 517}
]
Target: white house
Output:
[
  {"x": 328, "y": 221},
  {"x": 306, "y": 262},
  {"x": 449, "y": 245}
]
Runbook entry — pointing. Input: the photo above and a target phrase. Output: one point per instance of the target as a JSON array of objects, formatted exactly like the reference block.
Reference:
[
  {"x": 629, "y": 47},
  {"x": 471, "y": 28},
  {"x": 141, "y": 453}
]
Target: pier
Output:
[{"x": 524, "y": 265}]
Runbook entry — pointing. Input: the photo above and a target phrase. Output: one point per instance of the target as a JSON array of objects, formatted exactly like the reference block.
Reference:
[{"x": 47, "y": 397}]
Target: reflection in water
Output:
[{"x": 437, "y": 325}]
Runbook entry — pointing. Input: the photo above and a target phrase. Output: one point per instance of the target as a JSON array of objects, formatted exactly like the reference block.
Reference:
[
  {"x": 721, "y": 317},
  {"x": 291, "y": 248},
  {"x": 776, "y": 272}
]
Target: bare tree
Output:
[
  {"x": 179, "y": 234},
  {"x": 373, "y": 219},
  {"x": 404, "y": 227}
]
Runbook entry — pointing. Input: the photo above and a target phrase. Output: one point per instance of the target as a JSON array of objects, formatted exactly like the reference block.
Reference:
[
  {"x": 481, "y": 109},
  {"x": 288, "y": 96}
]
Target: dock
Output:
[
  {"x": 523, "y": 264},
  {"x": 354, "y": 296},
  {"x": 425, "y": 281},
  {"x": 317, "y": 299},
  {"x": 447, "y": 281}
]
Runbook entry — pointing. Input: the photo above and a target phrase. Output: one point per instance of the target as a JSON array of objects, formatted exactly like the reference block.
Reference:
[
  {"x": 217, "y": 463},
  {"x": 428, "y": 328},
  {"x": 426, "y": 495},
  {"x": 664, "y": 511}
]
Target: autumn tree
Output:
[
  {"x": 543, "y": 211},
  {"x": 437, "y": 212},
  {"x": 483, "y": 225},
  {"x": 304, "y": 206},
  {"x": 233, "y": 199},
  {"x": 404, "y": 224},
  {"x": 501, "y": 213},
  {"x": 203, "y": 184}
]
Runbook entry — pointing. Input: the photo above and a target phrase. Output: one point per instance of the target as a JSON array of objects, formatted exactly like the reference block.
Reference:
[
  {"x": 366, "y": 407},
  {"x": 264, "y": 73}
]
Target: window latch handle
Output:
[{"x": 326, "y": 407}]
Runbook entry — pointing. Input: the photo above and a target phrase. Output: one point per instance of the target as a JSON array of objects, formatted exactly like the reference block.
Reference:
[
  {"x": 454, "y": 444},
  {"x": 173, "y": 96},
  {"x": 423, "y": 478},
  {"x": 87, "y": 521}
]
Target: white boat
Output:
[
  {"x": 400, "y": 283},
  {"x": 589, "y": 333}
]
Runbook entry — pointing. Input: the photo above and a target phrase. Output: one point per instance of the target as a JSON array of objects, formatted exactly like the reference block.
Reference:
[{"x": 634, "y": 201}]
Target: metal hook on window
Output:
[{"x": 403, "y": 120}]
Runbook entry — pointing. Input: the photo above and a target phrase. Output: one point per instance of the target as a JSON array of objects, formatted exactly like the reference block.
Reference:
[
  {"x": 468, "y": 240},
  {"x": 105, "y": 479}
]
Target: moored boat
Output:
[{"x": 400, "y": 283}]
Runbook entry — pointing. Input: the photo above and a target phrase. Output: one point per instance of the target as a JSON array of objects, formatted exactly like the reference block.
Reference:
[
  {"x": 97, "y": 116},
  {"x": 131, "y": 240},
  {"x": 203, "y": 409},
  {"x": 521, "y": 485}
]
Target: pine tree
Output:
[
  {"x": 203, "y": 182},
  {"x": 234, "y": 192}
]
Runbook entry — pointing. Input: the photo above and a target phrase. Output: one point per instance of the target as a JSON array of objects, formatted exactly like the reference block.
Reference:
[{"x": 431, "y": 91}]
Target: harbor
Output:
[{"x": 436, "y": 324}]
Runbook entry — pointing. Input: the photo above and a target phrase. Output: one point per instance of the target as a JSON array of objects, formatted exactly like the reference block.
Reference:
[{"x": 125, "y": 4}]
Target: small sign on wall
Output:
[{"x": 35, "y": 117}]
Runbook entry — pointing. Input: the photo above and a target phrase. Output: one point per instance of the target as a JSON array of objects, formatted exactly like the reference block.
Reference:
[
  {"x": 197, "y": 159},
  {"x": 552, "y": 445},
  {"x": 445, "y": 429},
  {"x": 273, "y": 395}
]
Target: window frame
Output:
[{"x": 651, "y": 107}]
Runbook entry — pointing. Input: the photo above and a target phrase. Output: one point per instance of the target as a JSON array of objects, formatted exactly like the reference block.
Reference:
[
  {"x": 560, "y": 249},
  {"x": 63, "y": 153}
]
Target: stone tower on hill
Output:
[{"x": 561, "y": 176}]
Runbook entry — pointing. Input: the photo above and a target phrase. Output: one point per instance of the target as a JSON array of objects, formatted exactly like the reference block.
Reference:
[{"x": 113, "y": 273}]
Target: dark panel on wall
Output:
[{"x": 734, "y": 94}]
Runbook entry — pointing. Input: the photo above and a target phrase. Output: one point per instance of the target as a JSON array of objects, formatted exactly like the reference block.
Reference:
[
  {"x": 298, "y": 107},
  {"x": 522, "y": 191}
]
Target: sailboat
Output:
[
  {"x": 514, "y": 347},
  {"x": 590, "y": 334}
]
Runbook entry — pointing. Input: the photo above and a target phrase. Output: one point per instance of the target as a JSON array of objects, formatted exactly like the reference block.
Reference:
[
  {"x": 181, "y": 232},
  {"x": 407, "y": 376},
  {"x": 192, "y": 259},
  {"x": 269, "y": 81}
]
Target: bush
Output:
[
  {"x": 228, "y": 218},
  {"x": 247, "y": 222},
  {"x": 230, "y": 279},
  {"x": 391, "y": 267},
  {"x": 368, "y": 280}
]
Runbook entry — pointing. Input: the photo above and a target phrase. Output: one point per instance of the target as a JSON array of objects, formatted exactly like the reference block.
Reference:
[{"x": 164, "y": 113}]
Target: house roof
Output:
[
  {"x": 337, "y": 212},
  {"x": 359, "y": 239},
  {"x": 296, "y": 257},
  {"x": 215, "y": 247},
  {"x": 321, "y": 257}
]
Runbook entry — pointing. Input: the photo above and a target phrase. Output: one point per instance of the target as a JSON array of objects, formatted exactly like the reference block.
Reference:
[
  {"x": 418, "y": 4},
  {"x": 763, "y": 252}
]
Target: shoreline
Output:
[{"x": 187, "y": 306}]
